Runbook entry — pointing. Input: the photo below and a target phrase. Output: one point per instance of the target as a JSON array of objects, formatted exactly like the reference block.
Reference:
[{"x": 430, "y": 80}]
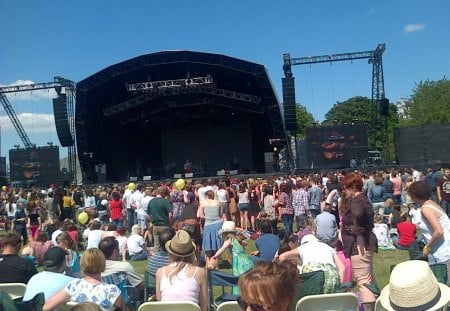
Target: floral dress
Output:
[{"x": 104, "y": 295}]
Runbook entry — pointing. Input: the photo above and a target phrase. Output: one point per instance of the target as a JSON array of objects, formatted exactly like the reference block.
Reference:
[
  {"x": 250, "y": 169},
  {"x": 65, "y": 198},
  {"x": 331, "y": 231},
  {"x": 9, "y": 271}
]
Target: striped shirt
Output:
[{"x": 300, "y": 201}]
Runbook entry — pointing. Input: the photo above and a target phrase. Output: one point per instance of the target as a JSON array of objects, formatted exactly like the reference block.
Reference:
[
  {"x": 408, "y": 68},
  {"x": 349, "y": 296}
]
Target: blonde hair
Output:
[{"x": 93, "y": 261}]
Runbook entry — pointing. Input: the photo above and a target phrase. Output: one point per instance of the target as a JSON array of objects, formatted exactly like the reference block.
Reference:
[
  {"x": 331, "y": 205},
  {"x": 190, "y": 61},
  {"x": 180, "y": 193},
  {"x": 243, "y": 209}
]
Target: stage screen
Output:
[
  {"x": 423, "y": 145},
  {"x": 335, "y": 145},
  {"x": 209, "y": 147},
  {"x": 40, "y": 164}
]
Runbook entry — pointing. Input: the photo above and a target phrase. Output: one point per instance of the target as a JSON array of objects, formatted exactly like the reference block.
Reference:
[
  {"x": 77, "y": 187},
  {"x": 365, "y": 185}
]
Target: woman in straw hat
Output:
[
  {"x": 413, "y": 286},
  {"x": 241, "y": 260},
  {"x": 182, "y": 279}
]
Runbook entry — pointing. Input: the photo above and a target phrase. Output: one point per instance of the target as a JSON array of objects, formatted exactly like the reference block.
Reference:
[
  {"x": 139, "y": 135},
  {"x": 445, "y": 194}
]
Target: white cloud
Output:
[
  {"x": 414, "y": 27},
  {"x": 36, "y": 95},
  {"x": 31, "y": 122}
]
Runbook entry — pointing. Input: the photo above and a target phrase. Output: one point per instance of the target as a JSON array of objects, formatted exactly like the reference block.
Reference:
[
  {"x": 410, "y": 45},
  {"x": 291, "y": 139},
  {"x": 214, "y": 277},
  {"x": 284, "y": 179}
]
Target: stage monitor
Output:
[
  {"x": 333, "y": 146},
  {"x": 39, "y": 165}
]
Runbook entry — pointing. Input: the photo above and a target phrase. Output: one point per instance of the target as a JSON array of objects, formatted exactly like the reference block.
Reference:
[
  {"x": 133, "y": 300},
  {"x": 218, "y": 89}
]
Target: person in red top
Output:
[
  {"x": 406, "y": 232},
  {"x": 115, "y": 208}
]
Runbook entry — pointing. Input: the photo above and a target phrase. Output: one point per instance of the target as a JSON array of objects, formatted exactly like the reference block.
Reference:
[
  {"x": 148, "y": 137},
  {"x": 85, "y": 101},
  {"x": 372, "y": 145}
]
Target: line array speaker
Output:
[
  {"x": 290, "y": 115},
  {"x": 62, "y": 121}
]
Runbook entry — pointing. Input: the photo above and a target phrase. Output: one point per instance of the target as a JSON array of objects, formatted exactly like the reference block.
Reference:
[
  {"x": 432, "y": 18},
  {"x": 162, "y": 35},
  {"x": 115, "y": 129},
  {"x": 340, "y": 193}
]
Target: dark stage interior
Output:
[{"x": 223, "y": 124}]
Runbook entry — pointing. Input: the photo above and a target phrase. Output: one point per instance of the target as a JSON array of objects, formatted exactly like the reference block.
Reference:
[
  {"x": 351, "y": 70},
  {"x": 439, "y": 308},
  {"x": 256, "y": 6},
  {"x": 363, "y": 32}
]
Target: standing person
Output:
[
  {"x": 209, "y": 209},
  {"x": 300, "y": 202},
  {"x": 315, "y": 195},
  {"x": 241, "y": 260},
  {"x": 20, "y": 222},
  {"x": 67, "y": 206},
  {"x": 14, "y": 268},
  {"x": 377, "y": 195},
  {"x": 11, "y": 208},
  {"x": 396, "y": 188},
  {"x": 443, "y": 191},
  {"x": 253, "y": 204},
  {"x": 126, "y": 199},
  {"x": 360, "y": 243},
  {"x": 34, "y": 220},
  {"x": 115, "y": 208},
  {"x": 243, "y": 201},
  {"x": 224, "y": 199},
  {"x": 285, "y": 206},
  {"x": 435, "y": 225},
  {"x": 160, "y": 211}
]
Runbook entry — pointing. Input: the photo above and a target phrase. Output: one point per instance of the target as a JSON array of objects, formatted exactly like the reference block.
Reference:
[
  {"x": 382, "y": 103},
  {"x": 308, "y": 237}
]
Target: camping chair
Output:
[
  {"x": 35, "y": 304},
  {"x": 15, "y": 290},
  {"x": 169, "y": 306},
  {"x": 150, "y": 284},
  {"x": 311, "y": 283},
  {"x": 217, "y": 278},
  {"x": 440, "y": 272},
  {"x": 229, "y": 306},
  {"x": 119, "y": 279},
  {"x": 337, "y": 301}
]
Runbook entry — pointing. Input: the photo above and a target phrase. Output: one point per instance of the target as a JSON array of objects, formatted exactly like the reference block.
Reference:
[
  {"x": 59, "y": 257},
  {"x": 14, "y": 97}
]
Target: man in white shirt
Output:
[
  {"x": 127, "y": 204},
  {"x": 94, "y": 235}
]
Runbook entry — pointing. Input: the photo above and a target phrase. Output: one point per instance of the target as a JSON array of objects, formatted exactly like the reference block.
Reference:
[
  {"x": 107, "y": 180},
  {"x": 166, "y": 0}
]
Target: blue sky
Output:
[{"x": 74, "y": 39}]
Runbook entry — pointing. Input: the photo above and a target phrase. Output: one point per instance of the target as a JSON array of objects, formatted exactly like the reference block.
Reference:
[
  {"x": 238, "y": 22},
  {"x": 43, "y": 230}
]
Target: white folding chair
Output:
[
  {"x": 169, "y": 306},
  {"x": 229, "y": 306},
  {"x": 326, "y": 302},
  {"x": 14, "y": 290}
]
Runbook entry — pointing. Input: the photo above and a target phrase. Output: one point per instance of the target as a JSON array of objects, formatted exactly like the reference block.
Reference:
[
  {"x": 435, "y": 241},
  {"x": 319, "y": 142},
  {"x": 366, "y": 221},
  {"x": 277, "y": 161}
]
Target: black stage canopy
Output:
[{"x": 149, "y": 114}]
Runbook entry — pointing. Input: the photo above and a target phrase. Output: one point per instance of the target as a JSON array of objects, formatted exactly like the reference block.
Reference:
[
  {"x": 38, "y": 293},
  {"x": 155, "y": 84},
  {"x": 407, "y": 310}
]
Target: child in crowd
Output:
[{"x": 241, "y": 260}]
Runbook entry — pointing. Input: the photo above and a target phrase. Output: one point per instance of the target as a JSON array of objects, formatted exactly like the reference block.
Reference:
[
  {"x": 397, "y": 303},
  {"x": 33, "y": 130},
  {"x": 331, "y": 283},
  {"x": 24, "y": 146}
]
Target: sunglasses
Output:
[{"x": 255, "y": 307}]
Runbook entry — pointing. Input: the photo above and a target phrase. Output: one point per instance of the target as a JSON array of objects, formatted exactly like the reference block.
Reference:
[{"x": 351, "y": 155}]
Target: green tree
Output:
[
  {"x": 430, "y": 103},
  {"x": 380, "y": 129},
  {"x": 304, "y": 120}
]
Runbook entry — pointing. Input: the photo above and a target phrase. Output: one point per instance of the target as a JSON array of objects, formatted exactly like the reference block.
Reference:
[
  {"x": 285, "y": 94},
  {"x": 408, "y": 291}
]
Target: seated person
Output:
[
  {"x": 326, "y": 226},
  {"x": 135, "y": 244},
  {"x": 41, "y": 246},
  {"x": 110, "y": 248},
  {"x": 381, "y": 231},
  {"x": 406, "y": 232},
  {"x": 412, "y": 286},
  {"x": 182, "y": 279},
  {"x": 14, "y": 269},
  {"x": 316, "y": 255},
  {"x": 90, "y": 288},
  {"x": 95, "y": 234},
  {"x": 161, "y": 258},
  {"x": 267, "y": 244},
  {"x": 53, "y": 276},
  {"x": 269, "y": 286}
]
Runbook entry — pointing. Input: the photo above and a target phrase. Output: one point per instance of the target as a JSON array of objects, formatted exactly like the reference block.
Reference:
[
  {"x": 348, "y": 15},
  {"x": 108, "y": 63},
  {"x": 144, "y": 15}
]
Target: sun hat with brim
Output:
[
  {"x": 228, "y": 227},
  {"x": 413, "y": 286},
  {"x": 181, "y": 244}
]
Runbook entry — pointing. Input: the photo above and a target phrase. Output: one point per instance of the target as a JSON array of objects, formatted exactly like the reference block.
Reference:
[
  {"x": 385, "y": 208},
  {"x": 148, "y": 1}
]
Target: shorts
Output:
[{"x": 243, "y": 206}]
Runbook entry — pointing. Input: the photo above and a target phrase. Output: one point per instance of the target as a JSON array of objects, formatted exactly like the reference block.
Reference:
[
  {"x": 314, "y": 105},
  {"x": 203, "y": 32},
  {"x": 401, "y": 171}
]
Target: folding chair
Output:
[
  {"x": 440, "y": 272},
  {"x": 169, "y": 306},
  {"x": 229, "y": 306},
  {"x": 311, "y": 283},
  {"x": 217, "y": 278},
  {"x": 149, "y": 283},
  {"x": 128, "y": 292},
  {"x": 324, "y": 302},
  {"x": 15, "y": 290},
  {"x": 35, "y": 304}
]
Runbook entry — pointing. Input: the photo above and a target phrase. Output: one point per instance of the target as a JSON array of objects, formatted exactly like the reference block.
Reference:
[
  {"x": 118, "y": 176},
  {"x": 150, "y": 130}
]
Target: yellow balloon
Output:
[
  {"x": 4, "y": 188},
  {"x": 180, "y": 183},
  {"x": 83, "y": 218}
]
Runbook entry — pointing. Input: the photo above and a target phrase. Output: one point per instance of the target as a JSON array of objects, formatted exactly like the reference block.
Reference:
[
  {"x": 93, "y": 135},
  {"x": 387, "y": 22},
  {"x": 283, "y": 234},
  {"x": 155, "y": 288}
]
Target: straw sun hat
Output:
[
  {"x": 413, "y": 286},
  {"x": 228, "y": 227},
  {"x": 181, "y": 244}
]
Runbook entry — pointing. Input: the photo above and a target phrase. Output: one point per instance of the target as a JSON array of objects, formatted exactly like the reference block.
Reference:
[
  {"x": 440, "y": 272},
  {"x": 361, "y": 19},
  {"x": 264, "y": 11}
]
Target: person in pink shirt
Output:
[{"x": 397, "y": 188}]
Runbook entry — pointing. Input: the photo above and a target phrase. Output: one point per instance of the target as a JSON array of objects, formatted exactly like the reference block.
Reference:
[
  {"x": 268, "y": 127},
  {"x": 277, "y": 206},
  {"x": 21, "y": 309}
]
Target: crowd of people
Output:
[{"x": 332, "y": 222}]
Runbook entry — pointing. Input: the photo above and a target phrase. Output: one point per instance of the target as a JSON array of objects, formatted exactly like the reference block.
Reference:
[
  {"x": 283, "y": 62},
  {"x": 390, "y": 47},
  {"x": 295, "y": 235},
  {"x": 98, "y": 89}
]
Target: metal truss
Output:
[{"x": 154, "y": 85}]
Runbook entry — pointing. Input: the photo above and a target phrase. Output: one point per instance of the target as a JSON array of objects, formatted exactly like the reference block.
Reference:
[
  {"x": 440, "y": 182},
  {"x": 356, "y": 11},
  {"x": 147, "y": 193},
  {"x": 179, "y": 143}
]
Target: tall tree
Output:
[
  {"x": 430, "y": 103},
  {"x": 304, "y": 119}
]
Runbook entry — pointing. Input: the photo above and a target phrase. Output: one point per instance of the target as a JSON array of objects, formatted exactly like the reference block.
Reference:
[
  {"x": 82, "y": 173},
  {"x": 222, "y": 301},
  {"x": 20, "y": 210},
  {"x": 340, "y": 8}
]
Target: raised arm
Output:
[{"x": 219, "y": 252}]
